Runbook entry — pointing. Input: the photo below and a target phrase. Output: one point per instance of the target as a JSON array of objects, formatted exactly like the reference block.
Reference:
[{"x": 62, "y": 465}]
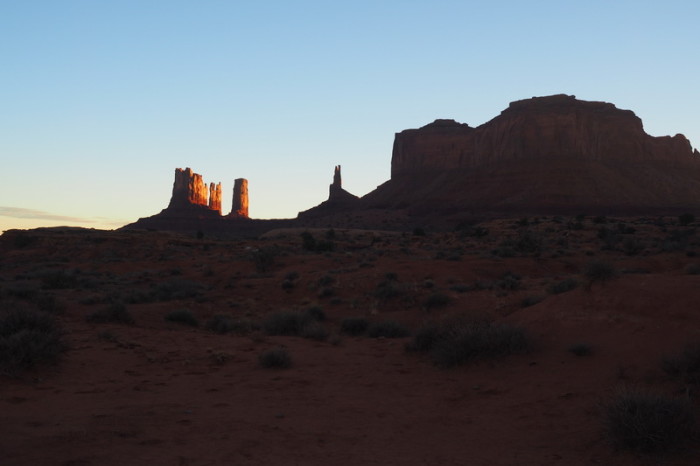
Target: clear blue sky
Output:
[{"x": 101, "y": 100}]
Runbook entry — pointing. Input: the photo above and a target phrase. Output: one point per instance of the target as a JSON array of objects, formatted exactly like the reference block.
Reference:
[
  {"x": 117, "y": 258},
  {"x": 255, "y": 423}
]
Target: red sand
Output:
[{"x": 162, "y": 393}]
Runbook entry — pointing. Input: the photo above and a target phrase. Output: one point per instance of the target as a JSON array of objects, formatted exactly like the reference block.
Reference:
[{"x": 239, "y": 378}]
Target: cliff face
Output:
[{"x": 554, "y": 127}]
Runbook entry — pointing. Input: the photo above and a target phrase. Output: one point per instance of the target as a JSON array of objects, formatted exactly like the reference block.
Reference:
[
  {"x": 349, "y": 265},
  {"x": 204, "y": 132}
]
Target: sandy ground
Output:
[{"x": 161, "y": 393}]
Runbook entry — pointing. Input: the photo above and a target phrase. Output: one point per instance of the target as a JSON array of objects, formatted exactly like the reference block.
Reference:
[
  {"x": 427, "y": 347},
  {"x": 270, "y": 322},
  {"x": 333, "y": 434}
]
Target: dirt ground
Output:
[{"x": 160, "y": 392}]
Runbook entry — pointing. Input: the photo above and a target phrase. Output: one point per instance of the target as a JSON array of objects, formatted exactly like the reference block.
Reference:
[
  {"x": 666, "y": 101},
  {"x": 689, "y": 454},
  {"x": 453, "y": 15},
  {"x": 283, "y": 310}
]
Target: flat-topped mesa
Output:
[
  {"x": 540, "y": 128},
  {"x": 240, "y": 199},
  {"x": 189, "y": 189}
]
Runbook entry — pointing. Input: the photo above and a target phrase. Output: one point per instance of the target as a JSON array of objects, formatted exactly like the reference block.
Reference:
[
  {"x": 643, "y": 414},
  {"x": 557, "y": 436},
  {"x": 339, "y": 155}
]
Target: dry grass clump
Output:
[
  {"x": 28, "y": 338},
  {"x": 649, "y": 423},
  {"x": 454, "y": 343},
  {"x": 182, "y": 316},
  {"x": 115, "y": 313},
  {"x": 276, "y": 358}
]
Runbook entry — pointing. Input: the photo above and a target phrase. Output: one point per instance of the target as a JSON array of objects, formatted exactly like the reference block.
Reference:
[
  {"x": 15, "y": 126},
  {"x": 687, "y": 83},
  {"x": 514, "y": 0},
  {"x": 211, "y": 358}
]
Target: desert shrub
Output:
[
  {"x": 609, "y": 237},
  {"x": 418, "y": 231},
  {"x": 563, "y": 286},
  {"x": 388, "y": 289},
  {"x": 182, "y": 316},
  {"x": 309, "y": 243},
  {"x": 288, "y": 285},
  {"x": 47, "y": 302},
  {"x": 220, "y": 323},
  {"x": 176, "y": 289},
  {"x": 285, "y": 323},
  {"x": 646, "y": 422},
  {"x": 315, "y": 313},
  {"x": 692, "y": 269},
  {"x": 436, "y": 300},
  {"x": 313, "y": 330},
  {"x": 354, "y": 325},
  {"x": 26, "y": 291},
  {"x": 455, "y": 343},
  {"x": 686, "y": 219},
  {"x": 115, "y": 312},
  {"x": 277, "y": 358},
  {"x": 460, "y": 288},
  {"x": 685, "y": 365},
  {"x": 387, "y": 329},
  {"x": 509, "y": 281},
  {"x": 581, "y": 349},
  {"x": 632, "y": 246},
  {"x": 599, "y": 271},
  {"x": 528, "y": 242},
  {"x": 292, "y": 276},
  {"x": 326, "y": 280},
  {"x": 28, "y": 338},
  {"x": 58, "y": 280},
  {"x": 265, "y": 258},
  {"x": 677, "y": 240},
  {"x": 531, "y": 300}
]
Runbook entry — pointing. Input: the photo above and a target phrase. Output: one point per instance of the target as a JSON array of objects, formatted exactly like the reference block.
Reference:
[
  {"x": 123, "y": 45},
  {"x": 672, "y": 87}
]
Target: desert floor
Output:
[{"x": 160, "y": 392}]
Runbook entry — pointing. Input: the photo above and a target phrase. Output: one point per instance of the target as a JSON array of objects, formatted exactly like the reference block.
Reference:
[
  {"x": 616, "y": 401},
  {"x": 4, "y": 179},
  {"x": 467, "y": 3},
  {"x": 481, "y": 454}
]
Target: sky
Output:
[{"x": 100, "y": 101}]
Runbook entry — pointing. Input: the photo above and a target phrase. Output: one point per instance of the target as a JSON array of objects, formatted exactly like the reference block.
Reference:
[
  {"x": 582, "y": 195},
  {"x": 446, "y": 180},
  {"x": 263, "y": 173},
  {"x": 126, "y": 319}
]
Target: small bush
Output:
[
  {"x": 116, "y": 313},
  {"x": 285, "y": 323},
  {"x": 265, "y": 258},
  {"x": 684, "y": 366},
  {"x": 598, "y": 271},
  {"x": 509, "y": 281},
  {"x": 437, "y": 300},
  {"x": 531, "y": 300},
  {"x": 177, "y": 289},
  {"x": 387, "y": 329},
  {"x": 277, "y": 358},
  {"x": 182, "y": 316},
  {"x": 28, "y": 338},
  {"x": 312, "y": 244},
  {"x": 288, "y": 285},
  {"x": 581, "y": 349},
  {"x": 388, "y": 289},
  {"x": 315, "y": 313},
  {"x": 314, "y": 331},
  {"x": 455, "y": 343},
  {"x": 686, "y": 219},
  {"x": 220, "y": 323},
  {"x": 354, "y": 325},
  {"x": 648, "y": 423},
  {"x": 563, "y": 286},
  {"x": 692, "y": 269},
  {"x": 58, "y": 280},
  {"x": 47, "y": 302}
]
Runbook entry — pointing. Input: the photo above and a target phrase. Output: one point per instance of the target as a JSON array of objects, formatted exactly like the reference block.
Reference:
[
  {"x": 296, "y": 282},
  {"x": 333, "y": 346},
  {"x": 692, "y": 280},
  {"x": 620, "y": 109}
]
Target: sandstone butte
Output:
[
  {"x": 544, "y": 155},
  {"x": 191, "y": 197}
]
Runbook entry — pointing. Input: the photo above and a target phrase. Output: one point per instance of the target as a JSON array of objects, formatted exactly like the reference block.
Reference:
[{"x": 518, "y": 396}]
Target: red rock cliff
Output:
[
  {"x": 189, "y": 189},
  {"x": 552, "y": 127}
]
